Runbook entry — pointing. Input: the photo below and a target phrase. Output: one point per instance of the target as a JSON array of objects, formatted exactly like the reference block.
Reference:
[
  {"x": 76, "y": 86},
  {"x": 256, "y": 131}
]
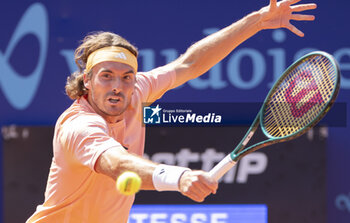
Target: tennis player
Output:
[{"x": 101, "y": 135}]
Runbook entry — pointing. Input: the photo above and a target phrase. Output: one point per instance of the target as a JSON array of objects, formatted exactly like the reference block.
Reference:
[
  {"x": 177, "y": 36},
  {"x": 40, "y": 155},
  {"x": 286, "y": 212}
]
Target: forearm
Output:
[
  {"x": 204, "y": 54},
  {"x": 114, "y": 162}
]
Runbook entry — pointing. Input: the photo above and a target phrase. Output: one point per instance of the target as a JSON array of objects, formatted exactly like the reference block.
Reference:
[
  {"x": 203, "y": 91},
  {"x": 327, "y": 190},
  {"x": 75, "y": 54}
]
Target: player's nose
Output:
[{"x": 116, "y": 86}]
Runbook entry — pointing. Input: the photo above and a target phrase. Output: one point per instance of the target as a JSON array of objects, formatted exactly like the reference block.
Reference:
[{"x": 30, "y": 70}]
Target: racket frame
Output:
[
  {"x": 231, "y": 159},
  {"x": 317, "y": 118}
]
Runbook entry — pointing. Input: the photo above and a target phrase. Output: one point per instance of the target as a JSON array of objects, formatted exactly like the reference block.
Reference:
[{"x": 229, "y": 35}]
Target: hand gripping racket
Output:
[{"x": 299, "y": 99}]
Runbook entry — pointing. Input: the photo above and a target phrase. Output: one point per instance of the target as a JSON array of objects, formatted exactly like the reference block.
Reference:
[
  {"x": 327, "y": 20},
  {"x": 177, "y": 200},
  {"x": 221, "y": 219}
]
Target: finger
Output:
[
  {"x": 291, "y": 2},
  {"x": 209, "y": 184},
  {"x": 207, "y": 189},
  {"x": 201, "y": 188},
  {"x": 299, "y": 17},
  {"x": 273, "y": 3},
  {"x": 198, "y": 186},
  {"x": 194, "y": 195},
  {"x": 295, "y": 30},
  {"x": 303, "y": 7}
]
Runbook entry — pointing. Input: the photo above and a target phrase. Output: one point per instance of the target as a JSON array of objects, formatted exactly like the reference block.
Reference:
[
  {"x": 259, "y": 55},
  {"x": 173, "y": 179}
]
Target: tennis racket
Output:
[{"x": 299, "y": 99}]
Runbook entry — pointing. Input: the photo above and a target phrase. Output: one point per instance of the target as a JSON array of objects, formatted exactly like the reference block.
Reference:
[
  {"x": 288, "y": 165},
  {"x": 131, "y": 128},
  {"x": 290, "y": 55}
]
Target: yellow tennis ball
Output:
[{"x": 128, "y": 183}]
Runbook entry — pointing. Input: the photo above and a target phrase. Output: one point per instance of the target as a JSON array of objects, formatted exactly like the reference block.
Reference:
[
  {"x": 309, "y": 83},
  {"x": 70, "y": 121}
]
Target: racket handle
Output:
[{"x": 222, "y": 167}]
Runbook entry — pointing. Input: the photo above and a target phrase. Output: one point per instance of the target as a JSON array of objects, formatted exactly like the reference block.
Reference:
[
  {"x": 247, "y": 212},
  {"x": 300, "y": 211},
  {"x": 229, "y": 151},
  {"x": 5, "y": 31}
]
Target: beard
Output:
[{"x": 110, "y": 105}]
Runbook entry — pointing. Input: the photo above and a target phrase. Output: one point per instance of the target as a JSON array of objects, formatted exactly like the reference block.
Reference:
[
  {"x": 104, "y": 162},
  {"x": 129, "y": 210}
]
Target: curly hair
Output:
[{"x": 75, "y": 83}]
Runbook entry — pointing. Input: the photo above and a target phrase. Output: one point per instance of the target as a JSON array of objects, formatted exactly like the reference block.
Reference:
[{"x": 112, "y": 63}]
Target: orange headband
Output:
[{"x": 111, "y": 53}]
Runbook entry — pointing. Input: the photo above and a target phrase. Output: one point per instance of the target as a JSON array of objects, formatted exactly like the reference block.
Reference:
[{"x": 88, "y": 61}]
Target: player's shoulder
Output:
[
  {"x": 154, "y": 73},
  {"x": 78, "y": 115},
  {"x": 146, "y": 81}
]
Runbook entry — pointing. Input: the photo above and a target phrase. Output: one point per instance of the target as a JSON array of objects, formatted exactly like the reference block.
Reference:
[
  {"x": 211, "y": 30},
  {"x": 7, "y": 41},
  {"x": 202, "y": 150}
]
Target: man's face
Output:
[{"x": 110, "y": 86}]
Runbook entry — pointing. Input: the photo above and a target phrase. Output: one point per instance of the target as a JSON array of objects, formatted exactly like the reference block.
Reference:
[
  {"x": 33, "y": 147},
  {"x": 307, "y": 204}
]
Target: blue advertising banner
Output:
[
  {"x": 199, "y": 213},
  {"x": 38, "y": 39}
]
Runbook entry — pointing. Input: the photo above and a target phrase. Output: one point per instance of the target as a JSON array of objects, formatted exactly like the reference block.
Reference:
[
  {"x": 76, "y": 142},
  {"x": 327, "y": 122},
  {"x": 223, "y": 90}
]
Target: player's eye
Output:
[
  {"x": 127, "y": 77},
  {"x": 106, "y": 75}
]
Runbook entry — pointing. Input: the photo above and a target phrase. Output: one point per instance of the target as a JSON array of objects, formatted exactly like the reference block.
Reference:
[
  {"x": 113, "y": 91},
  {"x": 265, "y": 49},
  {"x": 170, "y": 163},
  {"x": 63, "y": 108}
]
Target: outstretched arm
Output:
[
  {"x": 204, "y": 54},
  {"x": 196, "y": 185}
]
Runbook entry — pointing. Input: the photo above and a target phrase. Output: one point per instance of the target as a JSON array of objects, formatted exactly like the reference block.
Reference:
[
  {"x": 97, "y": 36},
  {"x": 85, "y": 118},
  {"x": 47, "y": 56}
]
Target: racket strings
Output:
[{"x": 300, "y": 96}]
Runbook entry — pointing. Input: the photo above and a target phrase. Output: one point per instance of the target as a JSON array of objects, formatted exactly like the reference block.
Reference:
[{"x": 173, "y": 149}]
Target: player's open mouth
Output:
[{"x": 114, "y": 100}]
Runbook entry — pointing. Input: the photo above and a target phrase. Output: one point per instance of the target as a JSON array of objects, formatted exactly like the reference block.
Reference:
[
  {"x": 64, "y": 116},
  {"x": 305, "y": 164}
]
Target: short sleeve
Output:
[
  {"x": 85, "y": 138},
  {"x": 153, "y": 84}
]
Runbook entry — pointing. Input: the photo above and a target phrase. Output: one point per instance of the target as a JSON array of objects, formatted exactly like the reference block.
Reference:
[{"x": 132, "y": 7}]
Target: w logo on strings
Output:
[{"x": 299, "y": 106}]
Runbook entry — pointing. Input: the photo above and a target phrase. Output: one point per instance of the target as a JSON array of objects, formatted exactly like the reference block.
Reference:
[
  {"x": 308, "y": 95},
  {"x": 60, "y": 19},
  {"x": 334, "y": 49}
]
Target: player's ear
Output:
[{"x": 86, "y": 81}]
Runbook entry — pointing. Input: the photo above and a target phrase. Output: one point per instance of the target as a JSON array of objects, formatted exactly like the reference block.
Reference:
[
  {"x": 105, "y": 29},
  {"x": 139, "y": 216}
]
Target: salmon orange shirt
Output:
[{"x": 75, "y": 192}]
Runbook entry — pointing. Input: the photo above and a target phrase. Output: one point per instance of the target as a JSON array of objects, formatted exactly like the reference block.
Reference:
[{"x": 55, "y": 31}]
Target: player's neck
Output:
[{"x": 111, "y": 119}]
